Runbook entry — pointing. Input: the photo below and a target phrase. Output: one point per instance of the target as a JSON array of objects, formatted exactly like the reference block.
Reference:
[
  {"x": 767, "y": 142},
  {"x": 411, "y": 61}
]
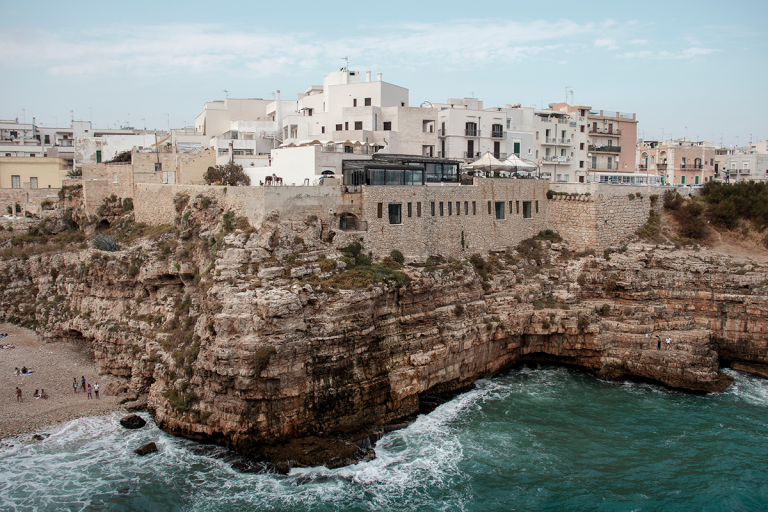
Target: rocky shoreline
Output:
[{"x": 275, "y": 342}]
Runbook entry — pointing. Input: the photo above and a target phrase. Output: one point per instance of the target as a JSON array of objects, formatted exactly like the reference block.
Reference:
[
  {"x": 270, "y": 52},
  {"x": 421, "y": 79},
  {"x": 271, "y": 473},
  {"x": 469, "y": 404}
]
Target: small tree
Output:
[{"x": 231, "y": 174}]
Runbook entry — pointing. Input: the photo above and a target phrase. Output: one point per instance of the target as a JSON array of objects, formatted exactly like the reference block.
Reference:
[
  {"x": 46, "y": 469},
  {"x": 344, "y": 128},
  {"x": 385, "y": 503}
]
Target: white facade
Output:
[
  {"x": 305, "y": 164},
  {"x": 560, "y": 145},
  {"x": 746, "y": 166},
  {"x": 467, "y": 131},
  {"x": 248, "y": 143}
]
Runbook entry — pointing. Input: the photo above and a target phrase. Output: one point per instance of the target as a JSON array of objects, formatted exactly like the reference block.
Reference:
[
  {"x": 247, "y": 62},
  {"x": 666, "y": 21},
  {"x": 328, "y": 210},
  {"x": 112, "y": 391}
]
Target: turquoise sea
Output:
[{"x": 543, "y": 438}]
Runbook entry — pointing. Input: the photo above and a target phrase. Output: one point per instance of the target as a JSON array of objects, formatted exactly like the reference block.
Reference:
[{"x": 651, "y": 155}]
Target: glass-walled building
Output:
[{"x": 400, "y": 170}]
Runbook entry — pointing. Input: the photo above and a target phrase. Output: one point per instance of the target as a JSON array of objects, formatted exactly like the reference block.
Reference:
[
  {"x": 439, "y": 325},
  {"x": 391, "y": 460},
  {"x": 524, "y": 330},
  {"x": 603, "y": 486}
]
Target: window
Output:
[
  {"x": 309, "y": 112},
  {"x": 441, "y": 208},
  {"x": 537, "y": 207},
  {"x": 346, "y": 125},
  {"x": 581, "y": 146},
  {"x": 526, "y": 209},
  {"x": 433, "y": 208},
  {"x": 98, "y": 157},
  {"x": 395, "y": 214},
  {"x": 338, "y": 127},
  {"x": 500, "y": 210},
  {"x": 594, "y": 162},
  {"x": 510, "y": 207},
  {"x": 158, "y": 167},
  {"x": 114, "y": 177},
  {"x": 348, "y": 149},
  {"x": 387, "y": 125},
  {"x": 682, "y": 178},
  {"x": 517, "y": 207},
  {"x": 358, "y": 125},
  {"x": 581, "y": 164},
  {"x": 508, "y": 121},
  {"x": 450, "y": 208},
  {"x": 410, "y": 211},
  {"x": 489, "y": 207},
  {"x": 15, "y": 181},
  {"x": 458, "y": 208},
  {"x": 322, "y": 129},
  {"x": 380, "y": 210},
  {"x": 32, "y": 182},
  {"x": 402, "y": 103},
  {"x": 582, "y": 128},
  {"x": 418, "y": 209},
  {"x": 367, "y": 102},
  {"x": 537, "y": 135},
  {"x": 466, "y": 207},
  {"x": 474, "y": 207},
  {"x": 354, "y": 102},
  {"x": 47, "y": 139}
]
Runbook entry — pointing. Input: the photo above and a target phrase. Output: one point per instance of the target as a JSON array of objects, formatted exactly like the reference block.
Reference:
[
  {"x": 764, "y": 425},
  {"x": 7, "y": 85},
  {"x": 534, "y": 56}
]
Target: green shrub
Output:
[
  {"x": 127, "y": 204},
  {"x": 583, "y": 323},
  {"x": 550, "y": 235},
  {"x": 631, "y": 197},
  {"x": 654, "y": 199},
  {"x": 605, "y": 310},
  {"x": 325, "y": 264},
  {"x": 607, "y": 254},
  {"x": 105, "y": 243},
  {"x": 458, "y": 309},
  {"x": 651, "y": 230},
  {"x": 261, "y": 357},
  {"x": 397, "y": 256},
  {"x": 611, "y": 283}
]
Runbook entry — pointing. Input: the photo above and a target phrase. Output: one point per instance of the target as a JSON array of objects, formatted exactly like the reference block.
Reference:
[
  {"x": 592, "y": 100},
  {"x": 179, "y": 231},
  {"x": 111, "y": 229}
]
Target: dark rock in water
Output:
[
  {"x": 133, "y": 421},
  {"x": 38, "y": 437},
  {"x": 147, "y": 448}
]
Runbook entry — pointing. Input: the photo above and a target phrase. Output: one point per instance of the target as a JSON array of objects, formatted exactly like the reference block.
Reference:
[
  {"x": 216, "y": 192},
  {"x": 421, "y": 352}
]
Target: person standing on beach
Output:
[
  {"x": 89, "y": 392},
  {"x": 18, "y": 395},
  {"x": 96, "y": 390},
  {"x": 82, "y": 382},
  {"x": 74, "y": 384}
]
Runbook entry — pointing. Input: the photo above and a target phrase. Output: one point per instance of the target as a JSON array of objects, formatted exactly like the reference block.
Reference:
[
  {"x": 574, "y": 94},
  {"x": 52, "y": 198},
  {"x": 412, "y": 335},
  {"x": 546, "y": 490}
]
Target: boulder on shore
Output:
[
  {"x": 146, "y": 449},
  {"x": 133, "y": 421}
]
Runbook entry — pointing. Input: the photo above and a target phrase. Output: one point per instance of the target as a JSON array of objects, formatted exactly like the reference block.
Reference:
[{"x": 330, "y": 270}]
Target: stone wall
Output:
[
  {"x": 28, "y": 199},
  {"x": 474, "y": 230},
  {"x": 103, "y": 180},
  {"x": 589, "y": 222},
  {"x": 154, "y": 203}
]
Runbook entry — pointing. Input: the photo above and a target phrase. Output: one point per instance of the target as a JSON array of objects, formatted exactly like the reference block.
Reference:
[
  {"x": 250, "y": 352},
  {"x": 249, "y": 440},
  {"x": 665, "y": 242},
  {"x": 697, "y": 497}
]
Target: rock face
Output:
[
  {"x": 241, "y": 336},
  {"x": 146, "y": 449},
  {"x": 133, "y": 421}
]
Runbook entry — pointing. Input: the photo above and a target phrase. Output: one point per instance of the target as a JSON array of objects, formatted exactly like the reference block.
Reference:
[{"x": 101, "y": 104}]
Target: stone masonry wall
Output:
[{"x": 474, "y": 230}]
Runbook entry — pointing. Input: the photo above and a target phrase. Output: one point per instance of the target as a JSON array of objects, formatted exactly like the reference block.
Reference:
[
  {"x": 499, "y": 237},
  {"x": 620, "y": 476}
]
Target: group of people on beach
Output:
[
  {"x": 24, "y": 371},
  {"x": 39, "y": 393},
  {"x": 86, "y": 387},
  {"x": 5, "y": 346}
]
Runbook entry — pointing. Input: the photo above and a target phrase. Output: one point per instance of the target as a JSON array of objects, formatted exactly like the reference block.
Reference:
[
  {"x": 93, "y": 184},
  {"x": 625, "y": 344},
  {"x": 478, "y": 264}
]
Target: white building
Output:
[
  {"x": 467, "y": 131},
  {"x": 744, "y": 165}
]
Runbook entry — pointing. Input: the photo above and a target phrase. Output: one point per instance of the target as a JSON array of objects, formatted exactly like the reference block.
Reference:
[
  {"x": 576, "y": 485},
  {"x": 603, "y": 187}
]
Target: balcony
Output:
[
  {"x": 743, "y": 171},
  {"x": 557, "y": 160},
  {"x": 691, "y": 166},
  {"x": 604, "y": 131},
  {"x": 471, "y": 155},
  {"x": 642, "y": 168},
  {"x": 497, "y": 134},
  {"x": 605, "y": 149},
  {"x": 565, "y": 141},
  {"x": 500, "y": 156},
  {"x": 661, "y": 167},
  {"x": 549, "y": 140},
  {"x": 471, "y": 132}
]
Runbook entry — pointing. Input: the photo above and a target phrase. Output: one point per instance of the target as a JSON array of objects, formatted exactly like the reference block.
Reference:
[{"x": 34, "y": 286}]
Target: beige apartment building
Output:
[{"x": 678, "y": 162}]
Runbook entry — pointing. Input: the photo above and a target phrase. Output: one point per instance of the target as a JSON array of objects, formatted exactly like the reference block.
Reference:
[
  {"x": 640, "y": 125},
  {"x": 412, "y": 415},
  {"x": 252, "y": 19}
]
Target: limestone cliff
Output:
[{"x": 246, "y": 336}]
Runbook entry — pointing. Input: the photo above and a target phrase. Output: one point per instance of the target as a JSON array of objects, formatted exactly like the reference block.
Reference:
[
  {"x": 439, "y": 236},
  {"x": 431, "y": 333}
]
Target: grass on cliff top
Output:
[
  {"x": 360, "y": 272},
  {"x": 37, "y": 240}
]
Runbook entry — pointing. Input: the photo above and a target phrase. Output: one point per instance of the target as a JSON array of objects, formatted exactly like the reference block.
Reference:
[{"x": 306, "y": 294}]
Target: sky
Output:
[{"x": 695, "y": 69}]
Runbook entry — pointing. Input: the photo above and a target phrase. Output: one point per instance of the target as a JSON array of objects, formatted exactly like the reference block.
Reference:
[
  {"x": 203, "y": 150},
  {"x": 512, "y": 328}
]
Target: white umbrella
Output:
[
  {"x": 520, "y": 164},
  {"x": 488, "y": 162}
]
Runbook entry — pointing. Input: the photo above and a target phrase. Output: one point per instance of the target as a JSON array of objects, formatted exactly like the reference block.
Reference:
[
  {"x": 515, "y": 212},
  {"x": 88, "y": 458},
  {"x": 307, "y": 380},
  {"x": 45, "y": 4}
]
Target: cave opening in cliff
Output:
[{"x": 103, "y": 225}]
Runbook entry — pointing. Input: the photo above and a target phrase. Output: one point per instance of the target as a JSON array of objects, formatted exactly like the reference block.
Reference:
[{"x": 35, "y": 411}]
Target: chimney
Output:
[
  {"x": 378, "y": 77},
  {"x": 367, "y": 76}
]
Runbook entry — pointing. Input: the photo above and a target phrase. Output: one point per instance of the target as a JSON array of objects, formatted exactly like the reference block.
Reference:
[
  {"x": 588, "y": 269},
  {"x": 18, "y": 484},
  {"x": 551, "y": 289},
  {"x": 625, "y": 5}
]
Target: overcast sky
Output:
[{"x": 701, "y": 65}]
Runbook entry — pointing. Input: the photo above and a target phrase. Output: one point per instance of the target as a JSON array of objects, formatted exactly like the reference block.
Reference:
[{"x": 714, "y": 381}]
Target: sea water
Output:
[{"x": 542, "y": 438}]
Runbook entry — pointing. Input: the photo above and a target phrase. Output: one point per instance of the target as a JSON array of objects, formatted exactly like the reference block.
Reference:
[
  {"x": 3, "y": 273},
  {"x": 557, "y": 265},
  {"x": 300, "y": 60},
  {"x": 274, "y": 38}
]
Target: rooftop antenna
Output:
[
  {"x": 226, "y": 93},
  {"x": 568, "y": 91},
  {"x": 72, "y": 116},
  {"x": 346, "y": 66},
  {"x": 145, "y": 123},
  {"x": 24, "y": 115}
]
